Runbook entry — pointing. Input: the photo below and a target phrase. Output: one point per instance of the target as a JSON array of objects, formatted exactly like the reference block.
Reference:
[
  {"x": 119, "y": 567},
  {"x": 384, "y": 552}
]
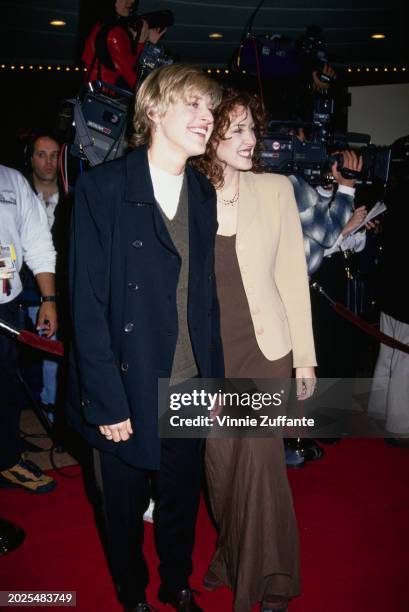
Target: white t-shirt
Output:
[
  {"x": 167, "y": 188},
  {"x": 49, "y": 206},
  {"x": 23, "y": 223}
]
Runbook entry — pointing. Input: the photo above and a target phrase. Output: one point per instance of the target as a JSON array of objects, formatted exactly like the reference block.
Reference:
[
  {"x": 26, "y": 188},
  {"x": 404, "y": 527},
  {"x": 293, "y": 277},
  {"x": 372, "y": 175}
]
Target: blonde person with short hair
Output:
[{"x": 144, "y": 307}]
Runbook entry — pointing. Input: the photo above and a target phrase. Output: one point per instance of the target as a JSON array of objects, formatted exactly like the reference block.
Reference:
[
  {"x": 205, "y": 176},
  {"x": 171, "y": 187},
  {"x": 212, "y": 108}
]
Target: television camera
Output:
[
  {"x": 285, "y": 152},
  {"x": 100, "y": 112}
]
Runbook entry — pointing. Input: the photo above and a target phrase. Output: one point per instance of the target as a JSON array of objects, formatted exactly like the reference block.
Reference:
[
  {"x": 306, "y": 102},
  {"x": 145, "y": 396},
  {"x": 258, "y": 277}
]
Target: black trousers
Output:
[
  {"x": 337, "y": 342},
  {"x": 125, "y": 494},
  {"x": 10, "y": 409}
]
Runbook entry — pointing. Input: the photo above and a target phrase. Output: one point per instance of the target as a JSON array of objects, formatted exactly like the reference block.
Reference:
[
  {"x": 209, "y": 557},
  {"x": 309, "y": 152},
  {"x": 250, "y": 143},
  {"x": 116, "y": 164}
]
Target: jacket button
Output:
[
  {"x": 255, "y": 310},
  {"x": 128, "y": 327},
  {"x": 211, "y": 276},
  {"x": 124, "y": 367},
  {"x": 133, "y": 286},
  {"x": 259, "y": 331},
  {"x": 137, "y": 244}
]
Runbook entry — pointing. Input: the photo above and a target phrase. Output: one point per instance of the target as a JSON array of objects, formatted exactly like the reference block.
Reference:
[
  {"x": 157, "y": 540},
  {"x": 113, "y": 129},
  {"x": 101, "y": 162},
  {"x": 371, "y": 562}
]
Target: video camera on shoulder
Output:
[
  {"x": 155, "y": 19},
  {"x": 285, "y": 152}
]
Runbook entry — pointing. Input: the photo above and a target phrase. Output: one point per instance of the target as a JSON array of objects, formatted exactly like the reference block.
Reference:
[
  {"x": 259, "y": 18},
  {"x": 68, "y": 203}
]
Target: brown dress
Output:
[{"x": 257, "y": 553}]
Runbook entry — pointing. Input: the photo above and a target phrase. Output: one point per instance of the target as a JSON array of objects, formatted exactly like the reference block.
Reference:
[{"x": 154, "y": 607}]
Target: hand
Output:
[
  {"x": 155, "y": 34},
  {"x": 118, "y": 431},
  {"x": 306, "y": 382},
  {"x": 143, "y": 35},
  {"x": 375, "y": 226},
  {"x": 352, "y": 162},
  {"x": 357, "y": 217},
  {"x": 216, "y": 411},
  {"x": 319, "y": 85},
  {"x": 47, "y": 319}
]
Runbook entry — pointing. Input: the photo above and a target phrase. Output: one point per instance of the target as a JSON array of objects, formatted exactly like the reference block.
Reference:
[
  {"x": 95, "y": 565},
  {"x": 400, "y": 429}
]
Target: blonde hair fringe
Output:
[{"x": 163, "y": 87}]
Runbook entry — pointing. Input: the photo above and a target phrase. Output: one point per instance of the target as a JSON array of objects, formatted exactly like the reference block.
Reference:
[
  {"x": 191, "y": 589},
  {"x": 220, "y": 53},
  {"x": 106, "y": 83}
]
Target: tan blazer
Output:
[{"x": 270, "y": 252}]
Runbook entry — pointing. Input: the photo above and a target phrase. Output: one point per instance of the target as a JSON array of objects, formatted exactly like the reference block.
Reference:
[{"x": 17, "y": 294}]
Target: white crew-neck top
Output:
[{"x": 166, "y": 188}]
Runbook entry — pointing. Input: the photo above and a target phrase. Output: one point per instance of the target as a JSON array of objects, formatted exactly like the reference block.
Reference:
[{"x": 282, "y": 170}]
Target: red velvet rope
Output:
[
  {"x": 43, "y": 344},
  {"x": 369, "y": 329}
]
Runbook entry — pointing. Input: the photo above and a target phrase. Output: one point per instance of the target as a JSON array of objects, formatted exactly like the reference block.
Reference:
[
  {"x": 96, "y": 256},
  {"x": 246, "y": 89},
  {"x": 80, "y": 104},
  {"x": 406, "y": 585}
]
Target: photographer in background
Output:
[
  {"x": 324, "y": 211},
  {"x": 42, "y": 158},
  {"x": 327, "y": 216},
  {"x": 389, "y": 400},
  {"x": 113, "y": 47},
  {"x": 25, "y": 235}
]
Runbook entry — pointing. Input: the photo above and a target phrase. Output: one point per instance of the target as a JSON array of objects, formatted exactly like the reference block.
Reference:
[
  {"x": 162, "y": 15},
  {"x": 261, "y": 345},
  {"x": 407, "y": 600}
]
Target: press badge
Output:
[{"x": 7, "y": 261}]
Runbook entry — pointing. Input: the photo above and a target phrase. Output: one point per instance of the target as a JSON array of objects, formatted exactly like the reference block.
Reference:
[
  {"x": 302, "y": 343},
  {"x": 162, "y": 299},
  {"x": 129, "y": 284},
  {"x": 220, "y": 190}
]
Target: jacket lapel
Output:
[
  {"x": 200, "y": 219},
  {"x": 139, "y": 191},
  {"x": 248, "y": 204}
]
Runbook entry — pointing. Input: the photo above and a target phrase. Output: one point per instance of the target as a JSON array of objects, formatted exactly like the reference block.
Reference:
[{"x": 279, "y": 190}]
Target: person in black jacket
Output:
[
  {"x": 389, "y": 399},
  {"x": 144, "y": 306}
]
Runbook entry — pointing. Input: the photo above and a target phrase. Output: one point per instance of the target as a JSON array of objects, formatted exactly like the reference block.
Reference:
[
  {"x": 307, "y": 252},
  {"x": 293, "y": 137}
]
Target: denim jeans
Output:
[{"x": 50, "y": 368}]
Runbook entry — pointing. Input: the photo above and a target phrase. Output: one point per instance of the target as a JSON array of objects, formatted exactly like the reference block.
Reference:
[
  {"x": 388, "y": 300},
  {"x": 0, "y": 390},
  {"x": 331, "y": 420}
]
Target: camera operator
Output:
[
  {"x": 113, "y": 47},
  {"x": 389, "y": 399},
  {"x": 327, "y": 218},
  {"x": 323, "y": 214}
]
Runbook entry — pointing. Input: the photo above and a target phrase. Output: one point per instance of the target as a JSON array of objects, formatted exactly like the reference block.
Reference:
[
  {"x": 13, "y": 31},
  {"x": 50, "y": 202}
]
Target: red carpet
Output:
[{"x": 353, "y": 515}]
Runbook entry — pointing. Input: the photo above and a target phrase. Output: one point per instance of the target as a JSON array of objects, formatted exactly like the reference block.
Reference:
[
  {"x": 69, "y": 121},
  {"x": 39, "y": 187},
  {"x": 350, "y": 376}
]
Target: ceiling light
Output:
[
  {"x": 58, "y": 23},
  {"x": 215, "y": 35},
  {"x": 378, "y": 36}
]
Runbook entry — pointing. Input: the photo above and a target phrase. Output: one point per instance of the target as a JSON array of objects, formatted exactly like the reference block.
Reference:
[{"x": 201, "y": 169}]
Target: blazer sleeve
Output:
[
  {"x": 104, "y": 399},
  {"x": 292, "y": 279}
]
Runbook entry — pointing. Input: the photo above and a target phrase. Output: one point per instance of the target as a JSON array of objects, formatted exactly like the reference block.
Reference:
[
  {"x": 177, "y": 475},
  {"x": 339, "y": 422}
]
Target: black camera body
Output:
[
  {"x": 156, "y": 19},
  {"x": 314, "y": 157}
]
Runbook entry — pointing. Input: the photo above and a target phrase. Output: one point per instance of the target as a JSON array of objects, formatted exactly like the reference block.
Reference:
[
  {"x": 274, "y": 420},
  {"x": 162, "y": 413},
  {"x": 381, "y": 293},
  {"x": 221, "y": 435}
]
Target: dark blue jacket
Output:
[{"x": 123, "y": 277}]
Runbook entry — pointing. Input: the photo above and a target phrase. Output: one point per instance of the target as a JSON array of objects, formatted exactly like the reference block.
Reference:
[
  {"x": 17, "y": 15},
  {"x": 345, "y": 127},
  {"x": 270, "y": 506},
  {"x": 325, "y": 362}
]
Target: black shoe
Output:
[
  {"x": 183, "y": 600},
  {"x": 306, "y": 447},
  {"x": 11, "y": 536}
]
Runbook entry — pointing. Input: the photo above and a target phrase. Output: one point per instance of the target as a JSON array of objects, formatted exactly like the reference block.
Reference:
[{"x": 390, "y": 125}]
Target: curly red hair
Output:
[{"x": 208, "y": 163}]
